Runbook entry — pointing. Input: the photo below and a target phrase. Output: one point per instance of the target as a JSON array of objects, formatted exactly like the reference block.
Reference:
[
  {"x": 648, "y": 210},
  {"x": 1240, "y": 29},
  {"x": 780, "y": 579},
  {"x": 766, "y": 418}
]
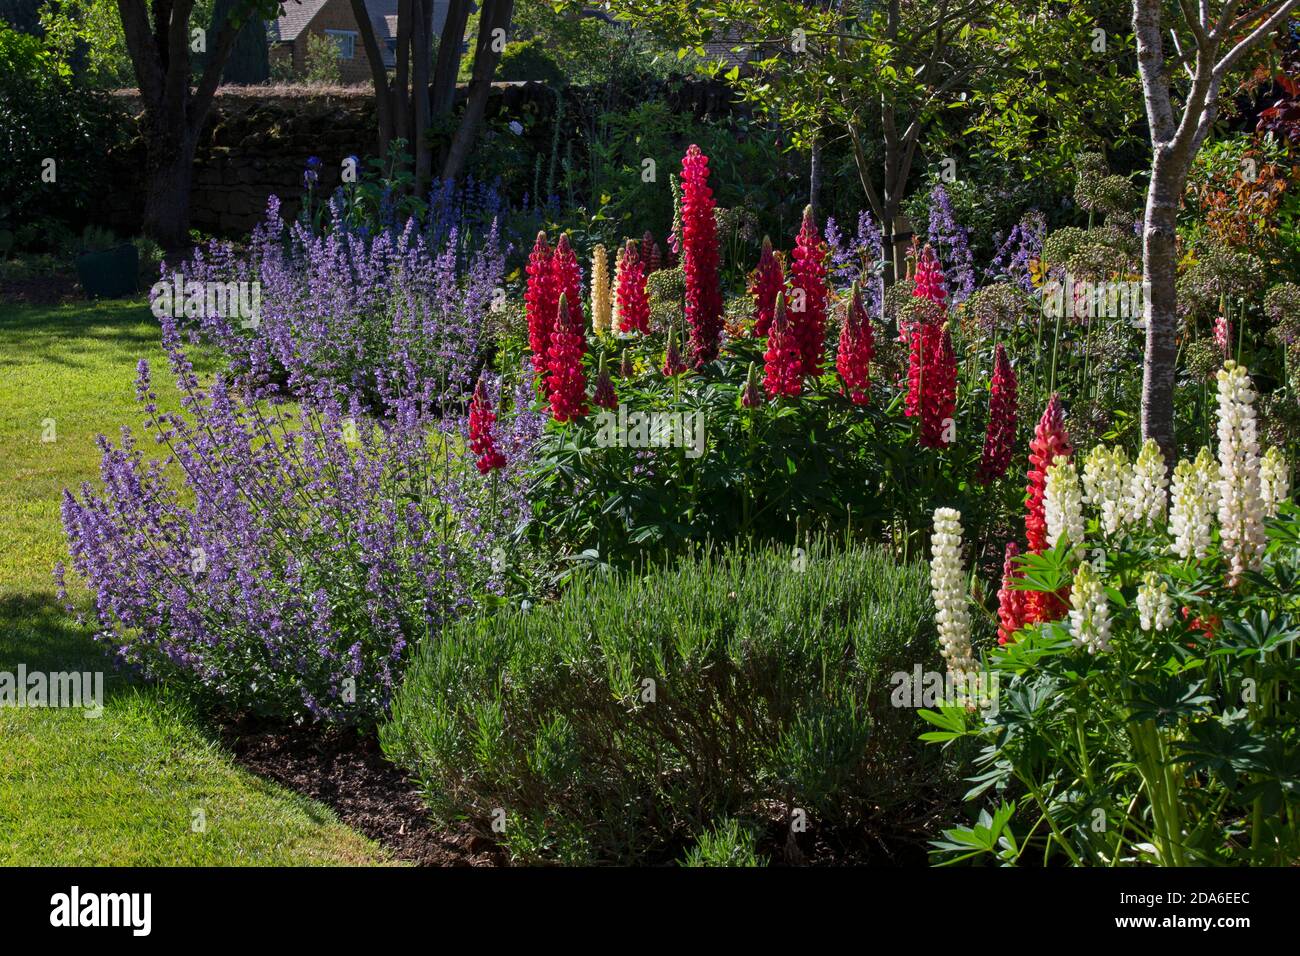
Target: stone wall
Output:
[
  {"x": 256, "y": 142},
  {"x": 252, "y": 147}
]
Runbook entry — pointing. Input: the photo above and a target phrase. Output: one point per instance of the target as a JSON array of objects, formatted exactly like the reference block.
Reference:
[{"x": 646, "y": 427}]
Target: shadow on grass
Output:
[
  {"x": 124, "y": 325},
  {"x": 36, "y": 632}
]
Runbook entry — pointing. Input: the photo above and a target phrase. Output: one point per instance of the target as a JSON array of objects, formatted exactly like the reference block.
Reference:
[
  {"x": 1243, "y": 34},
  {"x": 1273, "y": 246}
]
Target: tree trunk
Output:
[
  {"x": 378, "y": 75},
  {"x": 442, "y": 96},
  {"x": 495, "y": 16},
  {"x": 167, "y": 195},
  {"x": 402, "y": 74},
  {"x": 1159, "y": 264},
  {"x": 421, "y": 41}
]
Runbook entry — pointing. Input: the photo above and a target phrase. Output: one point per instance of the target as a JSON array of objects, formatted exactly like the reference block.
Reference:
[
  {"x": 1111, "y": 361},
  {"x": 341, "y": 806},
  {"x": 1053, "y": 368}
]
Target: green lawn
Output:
[{"x": 125, "y": 788}]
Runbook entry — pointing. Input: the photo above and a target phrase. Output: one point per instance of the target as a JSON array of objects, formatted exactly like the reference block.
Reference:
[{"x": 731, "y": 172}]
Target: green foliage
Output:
[
  {"x": 529, "y": 60},
  {"x": 88, "y": 36},
  {"x": 321, "y": 62},
  {"x": 638, "y": 710},
  {"x": 728, "y": 844},
  {"x": 45, "y": 115}
]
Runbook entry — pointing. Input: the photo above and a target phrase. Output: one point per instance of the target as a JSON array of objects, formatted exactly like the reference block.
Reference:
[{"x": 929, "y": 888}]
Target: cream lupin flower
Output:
[
  {"x": 613, "y": 288},
  {"x": 601, "y": 315},
  {"x": 1241, "y": 509},
  {"x": 1195, "y": 496},
  {"x": 1148, "y": 495},
  {"x": 1063, "y": 503},
  {"x": 1089, "y": 612},
  {"x": 1106, "y": 481},
  {"x": 1274, "y": 480},
  {"x": 948, "y": 587},
  {"x": 1155, "y": 608}
]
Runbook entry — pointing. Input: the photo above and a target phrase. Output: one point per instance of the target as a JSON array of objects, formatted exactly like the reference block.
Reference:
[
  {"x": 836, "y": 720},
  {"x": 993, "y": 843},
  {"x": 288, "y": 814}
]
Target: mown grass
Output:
[{"x": 126, "y": 788}]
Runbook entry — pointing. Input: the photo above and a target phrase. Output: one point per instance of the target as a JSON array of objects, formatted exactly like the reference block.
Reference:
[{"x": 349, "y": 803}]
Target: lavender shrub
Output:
[
  {"x": 306, "y": 549},
  {"x": 374, "y": 316}
]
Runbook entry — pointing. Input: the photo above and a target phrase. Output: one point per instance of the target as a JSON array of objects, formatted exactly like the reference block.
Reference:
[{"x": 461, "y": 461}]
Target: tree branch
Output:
[
  {"x": 1252, "y": 38},
  {"x": 143, "y": 52},
  {"x": 378, "y": 73}
]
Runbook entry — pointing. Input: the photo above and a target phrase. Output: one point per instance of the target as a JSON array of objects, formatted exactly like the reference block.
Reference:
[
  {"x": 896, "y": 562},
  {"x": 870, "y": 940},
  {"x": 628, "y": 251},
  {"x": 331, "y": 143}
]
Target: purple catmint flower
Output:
[
  {"x": 305, "y": 547},
  {"x": 952, "y": 243},
  {"x": 1022, "y": 246},
  {"x": 376, "y": 316}
]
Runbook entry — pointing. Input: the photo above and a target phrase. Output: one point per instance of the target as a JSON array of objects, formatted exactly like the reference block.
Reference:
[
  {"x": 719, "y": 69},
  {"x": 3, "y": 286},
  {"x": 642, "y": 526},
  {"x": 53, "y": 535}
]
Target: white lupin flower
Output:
[
  {"x": 1063, "y": 503},
  {"x": 1194, "y": 498},
  {"x": 1241, "y": 509},
  {"x": 1155, "y": 608},
  {"x": 1148, "y": 497},
  {"x": 948, "y": 587},
  {"x": 1107, "y": 479},
  {"x": 1274, "y": 480},
  {"x": 1089, "y": 612}
]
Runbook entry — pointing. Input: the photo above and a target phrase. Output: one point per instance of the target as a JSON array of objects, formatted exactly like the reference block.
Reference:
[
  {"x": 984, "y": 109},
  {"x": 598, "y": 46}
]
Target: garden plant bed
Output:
[
  {"x": 346, "y": 771},
  {"x": 665, "y": 435}
]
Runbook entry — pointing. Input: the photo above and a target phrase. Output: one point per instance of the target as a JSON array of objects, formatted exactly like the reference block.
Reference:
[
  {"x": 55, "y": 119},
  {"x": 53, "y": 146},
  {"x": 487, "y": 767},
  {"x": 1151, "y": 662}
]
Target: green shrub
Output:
[
  {"x": 529, "y": 60},
  {"x": 53, "y": 136},
  {"x": 322, "y": 61},
  {"x": 728, "y": 844},
  {"x": 638, "y": 711}
]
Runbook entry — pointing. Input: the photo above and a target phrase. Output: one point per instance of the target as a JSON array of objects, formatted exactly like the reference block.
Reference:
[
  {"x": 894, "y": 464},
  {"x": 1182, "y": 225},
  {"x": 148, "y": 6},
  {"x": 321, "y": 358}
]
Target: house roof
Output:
[
  {"x": 294, "y": 17},
  {"x": 297, "y": 15}
]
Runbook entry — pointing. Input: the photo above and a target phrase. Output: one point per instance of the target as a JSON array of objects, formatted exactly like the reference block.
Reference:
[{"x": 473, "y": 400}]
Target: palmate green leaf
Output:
[
  {"x": 988, "y": 834},
  {"x": 951, "y": 718},
  {"x": 1049, "y": 571},
  {"x": 1274, "y": 580},
  {"x": 1256, "y": 637},
  {"x": 1032, "y": 646},
  {"x": 1029, "y": 701},
  {"x": 1222, "y": 747},
  {"x": 1167, "y": 699},
  {"x": 1276, "y": 766}
]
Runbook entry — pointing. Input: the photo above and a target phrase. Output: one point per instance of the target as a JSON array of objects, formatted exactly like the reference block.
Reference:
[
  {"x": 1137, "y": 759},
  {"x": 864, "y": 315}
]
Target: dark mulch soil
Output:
[
  {"x": 40, "y": 290},
  {"x": 347, "y": 772}
]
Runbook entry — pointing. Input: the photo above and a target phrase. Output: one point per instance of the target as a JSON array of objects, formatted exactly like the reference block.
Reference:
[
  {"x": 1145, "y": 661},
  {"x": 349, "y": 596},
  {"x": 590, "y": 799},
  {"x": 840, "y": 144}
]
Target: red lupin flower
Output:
[
  {"x": 853, "y": 361},
  {"x": 924, "y": 337},
  {"x": 673, "y": 364},
  {"x": 633, "y": 303},
  {"x": 929, "y": 278},
  {"x": 808, "y": 278},
  {"x": 482, "y": 441},
  {"x": 922, "y": 340},
  {"x": 604, "y": 395},
  {"x": 540, "y": 298},
  {"x": 700, "y": 259},
  {"x": 650, "y": 253},
  {"x": 567, "y": 383},
  {"x": 765, "y": 283},
  {"x": 1001, "y": 433},
  {"x": 567, "y": 277},
  {"x": 750, "y": 395},
  {"x": 783, "y": 361},
  {"x": 939, "y": 393},
  {"x": 1011, "y": 603},
  {"x": 1050, "y": 440}
]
